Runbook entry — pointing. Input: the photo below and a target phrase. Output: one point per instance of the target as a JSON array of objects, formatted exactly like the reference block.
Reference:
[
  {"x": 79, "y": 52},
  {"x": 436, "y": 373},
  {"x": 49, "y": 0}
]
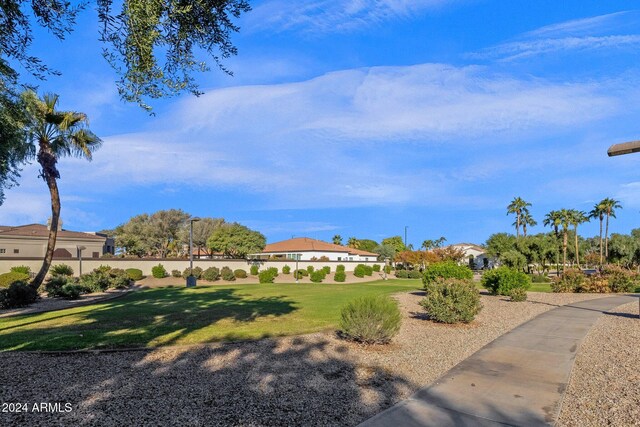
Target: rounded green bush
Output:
[
  {"x": 61, "y": 270},
  {"x": 340, "y": 276},
  {"x": 134, "y": 273},
  {"x": 254, "y": 270},
  {"x": 158, "y": 271},
  {"x": 299, "y": 274},
  {"x": 197, "y": 272},
  {"x": 359, "y": 271},
  {"x": 415, "y": 274},
  {"x": 452, "y": 301},
  {"x": 445, "y": 270},
  {"x": 310, "y": 269},
  {"x": 211, "y": 274},
  {"x": 53, "y": 286},
  {"x": 317, "y": 276},
  {"x": 501, "y": 280},
  {"x": 370, "y": 320},
  {"x": 518, "y": 294},
  {"x": 268, "y": 275},
  {"x": 402, "y": 274},
  {"x": 376, "y": 268},
  {"x": 227, "y": 274},
  {"x": 240, "y": 273},
  {"x": 368, "y": 270},
  {"x": 18, "y": 294},
  {"x": 286, "y": 269},
  {"x": 326, "y": 269},
  {"x": 7, "y": 279},
  {"x": 176, "y": 273},
  {"x": 118, "y": 278},
  {"x": 71, "y": 291},
  {"x": 21, "y": 269},
  {"x": 340, "y": 267},
  {"x": 620, "y": 279}
]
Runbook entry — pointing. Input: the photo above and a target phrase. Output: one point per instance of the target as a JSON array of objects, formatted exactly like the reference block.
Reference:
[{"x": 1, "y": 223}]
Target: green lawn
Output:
[{"x": 165, "y": 316}]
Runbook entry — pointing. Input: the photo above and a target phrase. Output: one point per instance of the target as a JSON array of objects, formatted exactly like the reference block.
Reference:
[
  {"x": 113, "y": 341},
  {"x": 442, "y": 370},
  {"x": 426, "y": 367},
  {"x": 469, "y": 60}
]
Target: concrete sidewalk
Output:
[{"x": 518, "y": 379}]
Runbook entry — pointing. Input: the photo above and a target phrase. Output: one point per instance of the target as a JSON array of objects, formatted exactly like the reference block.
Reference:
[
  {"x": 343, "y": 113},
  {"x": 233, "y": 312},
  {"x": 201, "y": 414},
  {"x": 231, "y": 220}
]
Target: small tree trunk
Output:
[
  {"x": 577, "y": 250},
  {"x": 564, "y": 251},
  {"x": 606, "y": 241},
  {"x": 601, "y": 240}
]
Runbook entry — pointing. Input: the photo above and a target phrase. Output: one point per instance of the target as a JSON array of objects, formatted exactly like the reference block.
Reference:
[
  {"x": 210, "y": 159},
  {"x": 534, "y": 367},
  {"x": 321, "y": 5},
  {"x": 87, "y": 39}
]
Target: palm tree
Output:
[
  {"x": 599, "y": 211},
  {"x": 54, "y": 134},
  {"x": 527, "y": 220},
  {"x": 554, "y": 220},
  {"x": 439, "y": 242},
  {"x": 565, "y": 220},
  {"x": 610, "y": 205},
  {"x": 428, "y": 245},
  {"x": 337, "y": 240},
  {"x": 353, "y": 243},
  {"x": 576, "y": 218},
  {"x": 518, "y": 206}
]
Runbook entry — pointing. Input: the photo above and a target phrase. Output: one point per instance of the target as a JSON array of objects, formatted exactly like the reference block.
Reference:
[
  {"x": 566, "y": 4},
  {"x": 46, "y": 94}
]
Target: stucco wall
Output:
[
  {"x": 29, "y": 248},
  {"x": 169, "y": 264}
]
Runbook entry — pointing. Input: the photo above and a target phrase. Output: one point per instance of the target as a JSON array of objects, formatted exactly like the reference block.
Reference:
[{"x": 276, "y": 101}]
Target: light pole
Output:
[
  {"x": 191, "y": 281},
  {"x": 80, "y": 249},
  {"x": 386, "y": 259},
  {"x": 296, "y": 273},
  {"x": 405, "y": 236}
]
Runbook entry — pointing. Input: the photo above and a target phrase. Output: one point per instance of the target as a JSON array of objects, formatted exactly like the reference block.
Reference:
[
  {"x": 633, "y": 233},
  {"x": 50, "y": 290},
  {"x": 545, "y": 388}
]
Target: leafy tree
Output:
[
  {"x": 337, "y": 240},
  {"x": 236, "y": 241},
  {"x": 499, "y": 244},
  {"x": 54, "y": 134},
  {"x": 367, "y": 245},
  {"x": 518, "y": 207},
  {"x": 134, "y": 36},
  {"x": 165, "y": 227},
  {"x": 201, "y": 231},
  {"x": 396, "y": 242},
  {"x": 13, "y": 150},
  {"x": 610, "y": 206},
  {"x": 385, "y": 251},
  {"x": 132, "y": 236},
  {"x": 624, "y": 249}
]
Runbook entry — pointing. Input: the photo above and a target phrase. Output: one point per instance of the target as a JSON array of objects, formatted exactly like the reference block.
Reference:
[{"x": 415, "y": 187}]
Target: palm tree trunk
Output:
[
  {"x": 564, "y": 251},
  {"x": 518, "y": 225},
  {"x": 601, "y": 240},
  {"x": 577, "y": 250},
  {"x": 606, "y": 240},
  {"x": 50, "y": 173}
]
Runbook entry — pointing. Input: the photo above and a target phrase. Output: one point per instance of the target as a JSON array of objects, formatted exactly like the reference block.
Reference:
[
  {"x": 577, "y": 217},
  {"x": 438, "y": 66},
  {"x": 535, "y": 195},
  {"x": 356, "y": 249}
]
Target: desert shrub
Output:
[
  {"x": 501, "y": 280},
  {"x": 286, "y": 269},
  {"x": 211, "y": 274},
  {"x": 227, "y": 274},
  {"x": 452, "y": 301},
  {"x": 61, "y": 270},
  {"x": 21, "y": 269},
  {"x": 376, "y": 267},
  {"x": 197, "y": 272},
  {"x": 71, "y": 291},
  {"x": 370, "y": 320},
  {"x": 518, "y": 294},
  {"x": 96, "y": 281},
  {"x": 570, "y": 281},
  {"x": 324, "y": 258},
  {"x": 415, "y": 274},
  {"x": 595, "y": 284},
  {"x": 387, "y": 269},
  {"x": 268, "y": 275},
  {"x": 620, "y": 279},
  {"x": 402, "y": 274},
  {"x": 118, "y": 278},
  {"x": 299, "y": 274},
  {"x": 134, "y": 274},
  {"x": 7, "y": 279},
  {"x": 340, "y": 276},
  {"x": 326, "y": 269},
  {"x": 18, "y": 294},
  {"x": 254, "y": 270},
  {"x": 53, "y": 286},
  {"x": 445, "y": 270},
  {"x": 359, "y": 271},
  {"x": 240, "y": 273},
  {"x": 339, "y": 268},
  {"x": 159, "y": 272},
  {"x": 368, "y": 270},
  {"x": 317, "y": 276},
  {"x": 310, "y": 269},
  {"x": 176, "y": 273}
]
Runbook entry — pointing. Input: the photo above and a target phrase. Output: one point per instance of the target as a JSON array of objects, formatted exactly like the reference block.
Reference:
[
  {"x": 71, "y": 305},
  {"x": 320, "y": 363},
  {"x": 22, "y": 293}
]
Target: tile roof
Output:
[
  {"x": 39, "y": 230},
  {"x": 305, "y": 244}
]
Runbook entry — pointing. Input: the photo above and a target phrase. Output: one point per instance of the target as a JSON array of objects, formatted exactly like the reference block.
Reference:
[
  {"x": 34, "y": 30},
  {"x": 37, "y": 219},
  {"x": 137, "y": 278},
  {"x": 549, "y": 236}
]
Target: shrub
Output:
[
  {"x": 415, "y": 274},
  {"x": 18, "y": 294},
  {"x": 387, "y": 269},
  {"x": 286, "y": 269},
  {"x": 518, "y": 294},
  {"x": 21, "y": 269},
  {"x": 376, "y": 267},
  {"x": 326, "y": 269},
  {"x": 620, "y": 279},
  {"x": 71, "y": 291},
  {"x": 118, "y": 278},
  {"x": 596, "y": 284},
  {"x": 501, "y": 280},
  {"x": 61, "y": 270},
  {"x": 96, "y": 281},
  {"x": 134, "y": 274},
  {"x": 317, "y": 276},
  {"x": 368, "y": 270},
  {"x": 370, "y": 320},
  {"x": 227, "y": 274},
  {"x": 240, "y": 274},
  {"x": 159, "y": 272},
  {"x": 197, "y": 272},
  {"x": 254, "y": 270},
  {"x": 324, "y": 258},
  {"x": 445, "y": 270},
  {"x": 310, "y": 269},
  {"x": 402, "y": 274},
  {"x": 539, "y": 278},
  {"x": 176, "y": 273},
  {"x": 268, "y": 275},
  {"x": 54, "y": 285},
  {"x": 452, "y": 301},
  {"x": 359, "y": 271},
  {"x": 570, "y": 281},
  {"x": 299, "y": 274},
  {"x": 211, "y": 274},
  {"x": 340, "y": 276},
  {"x": 7, "y": 279},
  {"x": 340, "y": 268}
]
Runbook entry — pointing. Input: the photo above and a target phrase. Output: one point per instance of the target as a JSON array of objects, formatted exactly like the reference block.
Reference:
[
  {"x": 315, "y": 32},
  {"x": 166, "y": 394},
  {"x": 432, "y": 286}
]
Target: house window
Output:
[
  {"x": 350, "y": 258},
  {"x": 16, "y": 251},
  {"x": 3, "y": 251},
  {"x": 96, "y": 254},
  {"x": 339, "y": 258}
]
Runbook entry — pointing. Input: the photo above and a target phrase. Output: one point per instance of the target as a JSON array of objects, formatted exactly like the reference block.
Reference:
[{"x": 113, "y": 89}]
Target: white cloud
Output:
[{"x": 591, "y": 25}]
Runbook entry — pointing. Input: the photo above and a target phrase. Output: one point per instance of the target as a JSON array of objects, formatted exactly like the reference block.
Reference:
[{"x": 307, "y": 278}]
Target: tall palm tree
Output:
[
  {"x": 427, "y": 245},
  {"x": 527, "y": 220},
  {"x": 565, "y": 220},
  {"x": 554, "y": 219},
  {"x": 576, "y": 218},
  {"x": 518, "y": 206},
  {"x": 54, "y": 134},
  {"x": 337, "y": 240},
  {"x": 610, "y": 205},
  {"x": 599, "y": 212},
  {"x": 353, "y": 243},
  {"x": 439, "y": 242}
]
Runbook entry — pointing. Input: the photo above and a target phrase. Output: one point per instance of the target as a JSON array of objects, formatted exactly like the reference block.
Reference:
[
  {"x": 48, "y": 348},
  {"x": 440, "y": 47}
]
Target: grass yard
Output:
[{"x": 170, "y": 316}]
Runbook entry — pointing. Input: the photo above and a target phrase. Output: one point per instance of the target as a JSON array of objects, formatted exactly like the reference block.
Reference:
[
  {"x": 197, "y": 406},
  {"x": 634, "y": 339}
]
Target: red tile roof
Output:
[
  {"x": 39, "y": 230},
  {"x": 305, "y": 244}
]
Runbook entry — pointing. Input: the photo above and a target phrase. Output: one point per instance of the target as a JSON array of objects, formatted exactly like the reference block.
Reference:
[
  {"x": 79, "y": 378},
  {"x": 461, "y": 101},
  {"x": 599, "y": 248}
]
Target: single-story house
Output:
[
  {"x": 475, "y": 256},
  {"x": 30, "y": 241},
  {"x": 307, "y": 249}
]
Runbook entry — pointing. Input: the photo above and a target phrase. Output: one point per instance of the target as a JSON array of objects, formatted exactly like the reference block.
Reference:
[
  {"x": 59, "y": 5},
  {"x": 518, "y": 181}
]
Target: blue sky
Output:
[{"x": 362, "y": 117}]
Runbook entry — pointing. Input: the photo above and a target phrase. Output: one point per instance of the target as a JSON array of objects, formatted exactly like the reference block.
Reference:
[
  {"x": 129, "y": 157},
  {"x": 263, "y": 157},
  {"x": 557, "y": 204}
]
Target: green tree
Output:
[
  {"x": 575, "y": 218},
  {"x": 610, "y": 206},
  {"x": 151, "y": 44},
  {"x": 427, "y": 245},
  {"x": 353, "y": 243},
  {"x": 54, "y": 134},
  {"x": 367, "y": 245},
  {"x": 236, "y": 241},
  {"x": 13, "y": 150},
  {"x": 131, "y": 236},
  {"x": 599, "y": 211},
  {"x": 164, "y": 229},
  {"x": 385, "y": 251},
  {"x": 500, "y": 243},
  {"x": 518, "y": 206},
  {"x": 527, "y": 220},
  {"x": 202, "y": 230},
  {"x": 337, "y": 240},
  {"x": 396, "y": 242}
]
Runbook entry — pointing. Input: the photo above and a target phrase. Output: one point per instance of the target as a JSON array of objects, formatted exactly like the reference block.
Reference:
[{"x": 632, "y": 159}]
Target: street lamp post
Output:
[
  {"x": 80, "y": 249},
  {"x": 405, "y": 235},
  {"x": 386, "y": 260},
  {"x": 296, "y": 273},
  {"x": 191, "y": 281}
]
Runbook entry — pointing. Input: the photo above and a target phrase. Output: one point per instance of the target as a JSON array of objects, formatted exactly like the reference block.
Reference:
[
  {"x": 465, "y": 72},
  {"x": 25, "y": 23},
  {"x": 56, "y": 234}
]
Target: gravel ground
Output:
[
  {"x": 604, "y": 389},
  {"x": 313, "y": 379}
]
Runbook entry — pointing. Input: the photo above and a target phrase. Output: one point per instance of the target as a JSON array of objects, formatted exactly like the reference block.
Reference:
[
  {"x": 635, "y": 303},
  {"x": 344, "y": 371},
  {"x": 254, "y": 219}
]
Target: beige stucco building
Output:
[
  {"x": 307, "y": 249},
  {"x": 30, "y": 241}
]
